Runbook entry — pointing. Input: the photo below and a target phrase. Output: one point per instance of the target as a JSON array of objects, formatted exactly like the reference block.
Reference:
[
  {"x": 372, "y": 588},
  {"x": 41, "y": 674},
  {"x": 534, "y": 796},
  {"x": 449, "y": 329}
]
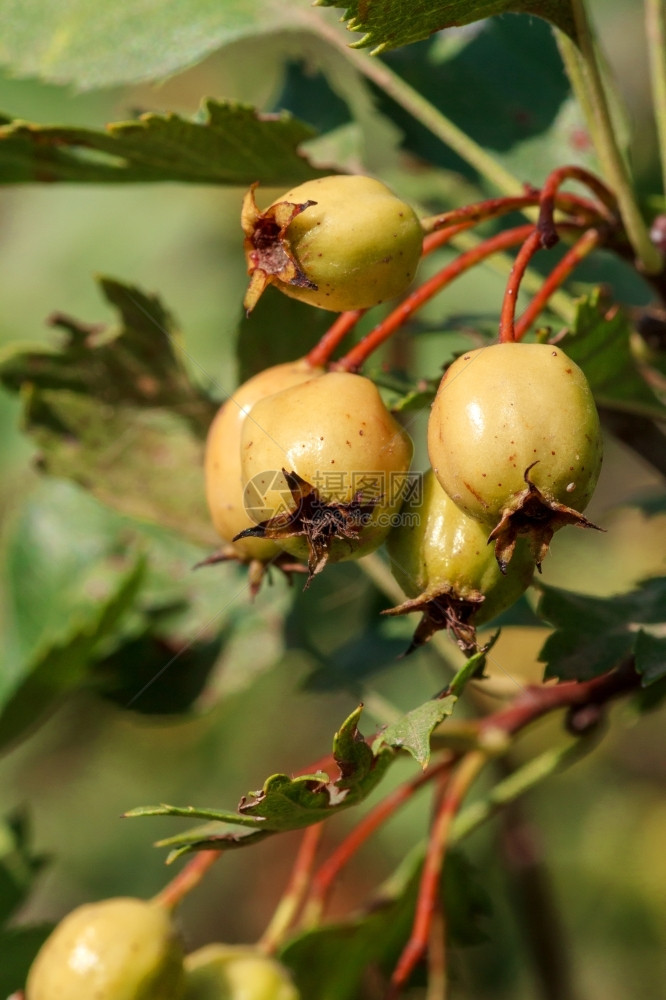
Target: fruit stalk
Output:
[
  {"x": 533, "y": 243},
  {"x": 322, "y": 351},
  {"x": 455, "y": 792},
  {"x": 581, "y": 248},
  {"x": 186, "y": 880},
  {"x": 296, "y": 891},
  {"x": 325, "y": 877},
  {"x": 354, "y": 358}
]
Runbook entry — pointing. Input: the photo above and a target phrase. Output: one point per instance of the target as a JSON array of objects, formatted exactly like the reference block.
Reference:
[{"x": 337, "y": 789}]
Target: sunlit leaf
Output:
[{"x": 228, "y": 143}]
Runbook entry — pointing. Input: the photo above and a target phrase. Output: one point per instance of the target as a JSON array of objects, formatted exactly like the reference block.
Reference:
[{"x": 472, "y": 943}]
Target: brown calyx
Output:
[
  {"x": 258, "y": 570},
  {"x": 443, "y": 610},
  {"x": 267, "y": 250},
  {"x": 319, "y": 521},
  {"x": 533, "y": 514}
]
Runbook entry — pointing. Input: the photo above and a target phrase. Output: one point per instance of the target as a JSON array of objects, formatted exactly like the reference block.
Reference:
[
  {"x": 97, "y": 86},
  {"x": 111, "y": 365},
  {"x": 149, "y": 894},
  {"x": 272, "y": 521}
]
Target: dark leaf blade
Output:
[
  {"x": 388, "y": 24},
  {"x": 61, "y": 667},
  {"x": 115, "y": 402},
  {"x": 600, "y": 343},
  {"x": 593, "y": 635},
  {"x": 19, "y": 866},
  {"x": 228, "y": 144},
  {"x": 18, "y": 948}
]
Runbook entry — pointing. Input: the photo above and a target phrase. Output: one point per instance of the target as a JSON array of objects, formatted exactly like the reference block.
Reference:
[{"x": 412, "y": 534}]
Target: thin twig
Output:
[
  {"x": 295, "y": 892},
  {"x": 322, "y": 351},
  {"x": 507, "y": 332},
  {"x": 581, "y": 248},
  {"x": 655, "y": 29},
  {"x": 456, "y": 790},
  {"x": 353, "y": 360},
  {"x": 187, "y": 879}
]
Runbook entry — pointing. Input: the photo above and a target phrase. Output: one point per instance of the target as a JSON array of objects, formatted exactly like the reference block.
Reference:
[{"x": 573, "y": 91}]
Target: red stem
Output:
[
  {"x": 549, "y": 194},
  {"x": 325, "y": 877},
  {"x": 432, "y": 870},
  {"x": 354, "y": 358},
  {"x": 321, "y": 352},
  {"x": 533, "y": 243},
  {"x": 295, "y": 891},
  {"x": 187, "y": 879},
  {"x": 587, "y": 242}
]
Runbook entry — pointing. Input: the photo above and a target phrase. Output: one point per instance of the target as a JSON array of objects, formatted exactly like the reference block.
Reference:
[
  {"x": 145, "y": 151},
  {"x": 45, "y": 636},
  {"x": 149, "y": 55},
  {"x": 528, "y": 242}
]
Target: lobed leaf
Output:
[
  {"x": 600, "y": 343},
  {"x": 286, "y": 803},
  {"x": 228, "y": 143},
  {"x": 593, "y": 634},
  {"x": 115, "y": 402},
  {"x": 388, "y": 24},
  {"x": 412, "y": 732}
]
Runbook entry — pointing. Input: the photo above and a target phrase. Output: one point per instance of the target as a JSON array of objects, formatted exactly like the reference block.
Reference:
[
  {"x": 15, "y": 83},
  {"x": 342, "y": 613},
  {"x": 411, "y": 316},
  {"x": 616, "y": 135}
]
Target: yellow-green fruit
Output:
[
  {"x": 359, "y": 244},
  {"x": 225, "y": 972},
  {"x": 117, "y": 949},
  {"x": 224, "y": 487},
  {"x": 439, "y": 551},
  {"x": 506, "y": 409},
  {"x": 337, "y": 435}
]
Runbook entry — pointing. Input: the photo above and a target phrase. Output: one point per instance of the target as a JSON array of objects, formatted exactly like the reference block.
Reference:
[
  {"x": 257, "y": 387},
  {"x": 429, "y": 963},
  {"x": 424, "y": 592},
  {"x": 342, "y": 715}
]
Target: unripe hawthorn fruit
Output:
[
  {"x": 116, "y": 949},
  {"x": 222, "y": 464},
  {"x": 339, "y": 242},
  {"x": 514, "y": 439},
  {"x": 329, "y": 463},
  {"x": 228, "y": 972},
  {"x": 441, "y": 558}
]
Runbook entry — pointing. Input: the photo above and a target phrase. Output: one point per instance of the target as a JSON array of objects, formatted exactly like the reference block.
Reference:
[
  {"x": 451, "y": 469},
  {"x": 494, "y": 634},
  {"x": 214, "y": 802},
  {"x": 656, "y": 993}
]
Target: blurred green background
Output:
[{"x": 602, "y": 825}]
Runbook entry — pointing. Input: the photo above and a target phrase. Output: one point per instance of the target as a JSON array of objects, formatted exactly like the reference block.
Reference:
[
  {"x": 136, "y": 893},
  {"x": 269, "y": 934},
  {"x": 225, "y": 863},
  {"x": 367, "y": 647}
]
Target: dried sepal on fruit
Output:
[
  {"x": 514, "y": 439},
  {"x": 441, "y": 558},
  {"x": 236, "y": 972},
  {"x": 223, "y": 475},
  {"x": 325, "y": 465},
  {"x": 340, "y": 242},
  {"x": 115, "y": 949}
]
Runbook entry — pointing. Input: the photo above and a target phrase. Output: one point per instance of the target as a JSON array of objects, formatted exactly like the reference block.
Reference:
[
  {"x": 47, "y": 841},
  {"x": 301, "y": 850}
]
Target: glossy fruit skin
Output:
[
  {"x": 506, "y": 409},
  {"x": 334, "y": 432},
  {"x": 116, "y": 949},
  {"x": 227, "y": 972},
  {"x": 222, "y": 464},
  {"x": 444, "y": 551},
  {"x": 359, "y": 244}
]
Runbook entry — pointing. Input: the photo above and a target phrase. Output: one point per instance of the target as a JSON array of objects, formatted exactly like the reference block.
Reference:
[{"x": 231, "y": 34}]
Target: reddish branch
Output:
[
  {"x": 549, "y": 193},
  {"x": 322, "y": 351},
  {"x": 353, "y": 360},
  {"x": 581, "y": 248},
  {"x": 533, "y": 243},
  {"x": 427, "y": 903},
  {"x": 342, "y": 855},
  {"x": 296, "y": 890},
  {"x": 187, "y": 879}
]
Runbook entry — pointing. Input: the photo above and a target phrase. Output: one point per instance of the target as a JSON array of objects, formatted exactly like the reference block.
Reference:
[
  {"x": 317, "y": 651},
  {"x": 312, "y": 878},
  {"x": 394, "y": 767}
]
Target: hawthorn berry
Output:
[
  {"x": 234, "y": 972},
  {"x": 514, "y": 439},
  {"x": 327, "y": 464},
  {"x": 339, "y": 242},
  {"x": 441, "y": 558},
  {"x": 116, "y": 949}
]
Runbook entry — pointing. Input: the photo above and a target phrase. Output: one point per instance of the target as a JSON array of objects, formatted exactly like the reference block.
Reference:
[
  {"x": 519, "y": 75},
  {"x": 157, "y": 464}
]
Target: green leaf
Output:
[
  {"x": 412, "y": 732},
  {"x": 286, "y": 803},
  {"x": 115, "y": 411},
  {"x": 64, "y": 665},
  {"x": 595, "y": 634},
  {"x": 228, "y": 143},
  {"x": 599, "y": 343},
  {"x": 18, "y": 948},
  {"x": 18, "y": 865},
  {"x": 92, "y": 45},
  {"x": 388, "y": 24}
]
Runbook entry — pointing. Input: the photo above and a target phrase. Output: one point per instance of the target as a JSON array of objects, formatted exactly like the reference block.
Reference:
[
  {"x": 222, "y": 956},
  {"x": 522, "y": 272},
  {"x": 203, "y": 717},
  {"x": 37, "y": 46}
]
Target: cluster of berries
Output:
[
  {"x": 305, "y": 465},
  {"x": 128, "y": 949}
]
